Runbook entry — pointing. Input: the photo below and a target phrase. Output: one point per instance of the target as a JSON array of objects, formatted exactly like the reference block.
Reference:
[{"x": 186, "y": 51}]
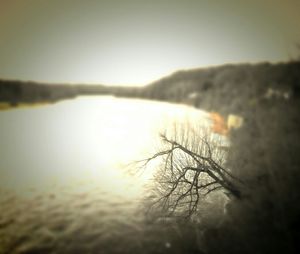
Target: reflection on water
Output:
[{"x": 63, "y": 183}]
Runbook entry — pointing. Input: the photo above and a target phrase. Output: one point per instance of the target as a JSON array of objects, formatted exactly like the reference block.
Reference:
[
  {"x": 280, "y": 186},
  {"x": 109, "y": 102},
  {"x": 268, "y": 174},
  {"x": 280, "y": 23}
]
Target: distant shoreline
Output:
[{"x": 226, "y": 89}]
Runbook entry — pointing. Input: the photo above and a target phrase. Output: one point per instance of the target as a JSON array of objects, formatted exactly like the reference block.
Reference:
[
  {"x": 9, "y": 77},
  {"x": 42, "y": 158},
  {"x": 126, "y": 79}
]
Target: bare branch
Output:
[{"x": 190, "y": 172}]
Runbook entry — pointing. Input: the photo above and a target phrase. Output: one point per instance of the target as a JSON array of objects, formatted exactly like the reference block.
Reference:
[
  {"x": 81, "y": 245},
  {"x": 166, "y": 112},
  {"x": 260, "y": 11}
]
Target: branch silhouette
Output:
[{"x": 191, "y": 169}]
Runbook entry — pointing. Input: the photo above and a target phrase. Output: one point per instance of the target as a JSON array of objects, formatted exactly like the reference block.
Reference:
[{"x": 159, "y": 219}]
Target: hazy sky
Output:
[{"x": 137, "y": 41}]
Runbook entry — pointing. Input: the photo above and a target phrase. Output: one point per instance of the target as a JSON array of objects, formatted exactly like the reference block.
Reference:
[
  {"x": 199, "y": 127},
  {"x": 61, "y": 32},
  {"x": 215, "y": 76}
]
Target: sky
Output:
[{"x": 134, "y": 42}]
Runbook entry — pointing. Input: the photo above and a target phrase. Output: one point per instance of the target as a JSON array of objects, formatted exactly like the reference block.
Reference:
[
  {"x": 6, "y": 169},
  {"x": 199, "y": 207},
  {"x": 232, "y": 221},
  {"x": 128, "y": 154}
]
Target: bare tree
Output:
[{"x": 192, "y": 167}]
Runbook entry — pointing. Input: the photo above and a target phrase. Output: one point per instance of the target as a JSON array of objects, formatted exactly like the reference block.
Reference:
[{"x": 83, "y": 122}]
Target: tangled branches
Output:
[{"x": 191, "y": 169}]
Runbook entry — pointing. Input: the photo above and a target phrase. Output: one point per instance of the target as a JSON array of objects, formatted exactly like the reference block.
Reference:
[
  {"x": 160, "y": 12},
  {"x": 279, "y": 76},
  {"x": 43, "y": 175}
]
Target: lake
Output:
[{"x": 68, "y": 181}]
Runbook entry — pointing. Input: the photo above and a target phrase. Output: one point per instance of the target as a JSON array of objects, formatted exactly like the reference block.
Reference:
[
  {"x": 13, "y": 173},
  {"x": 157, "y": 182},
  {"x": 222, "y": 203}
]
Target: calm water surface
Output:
[{"x": 65, "y": 182}]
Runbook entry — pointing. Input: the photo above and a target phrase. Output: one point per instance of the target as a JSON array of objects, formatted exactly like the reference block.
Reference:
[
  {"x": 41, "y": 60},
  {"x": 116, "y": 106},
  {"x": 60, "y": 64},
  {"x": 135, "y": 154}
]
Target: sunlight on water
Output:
[
  {"x": 66, "y": 172},
  {"x": 84, "y": 140}
]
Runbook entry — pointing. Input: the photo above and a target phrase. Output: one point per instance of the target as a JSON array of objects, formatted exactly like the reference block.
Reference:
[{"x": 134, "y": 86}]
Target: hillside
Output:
[
  {"x": 228, "y": 88},
  {"x": 264, "y": 152}
]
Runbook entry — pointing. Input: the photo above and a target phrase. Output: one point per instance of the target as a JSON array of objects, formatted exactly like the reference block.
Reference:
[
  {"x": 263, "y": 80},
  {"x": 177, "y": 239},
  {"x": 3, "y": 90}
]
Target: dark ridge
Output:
[{"x": 229, "y": 88}]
